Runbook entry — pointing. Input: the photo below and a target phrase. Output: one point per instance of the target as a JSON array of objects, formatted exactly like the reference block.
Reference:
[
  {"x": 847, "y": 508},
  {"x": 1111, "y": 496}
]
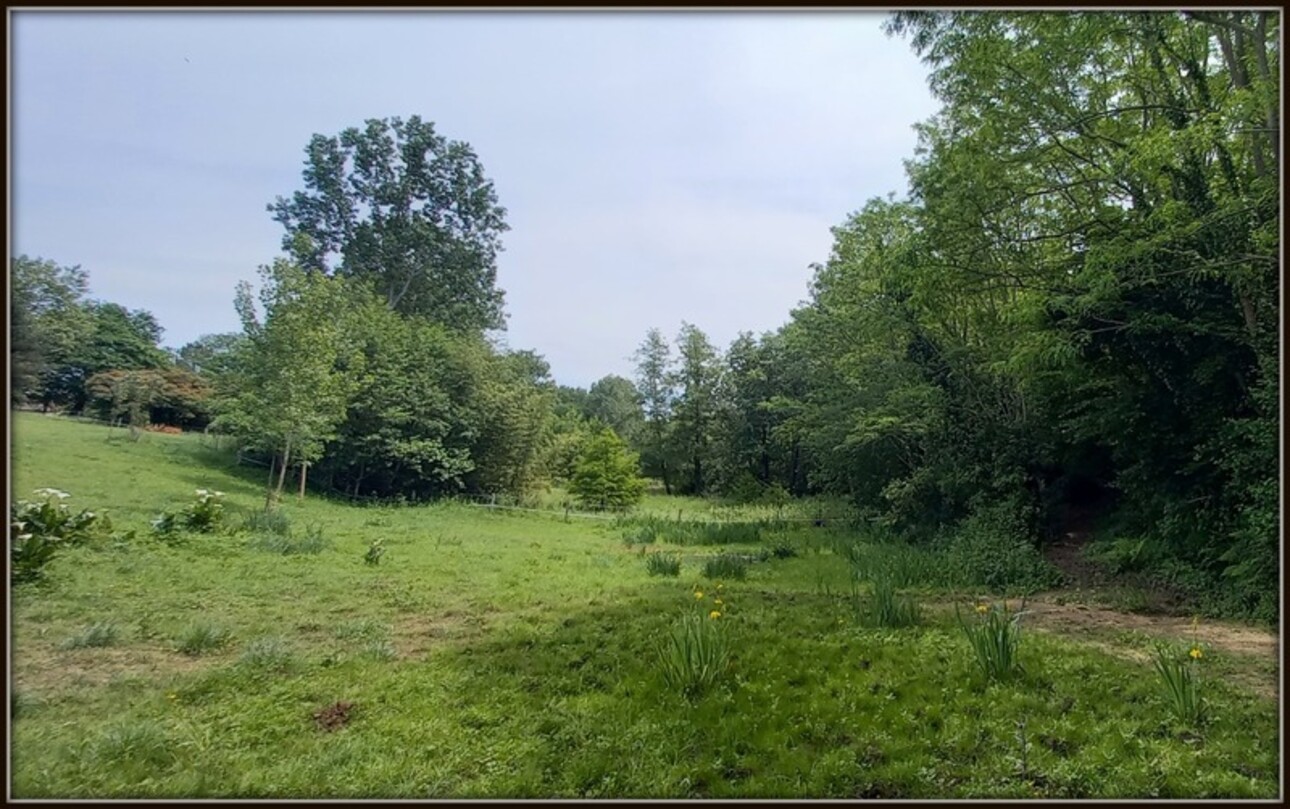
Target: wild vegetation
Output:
[
  {"x": 1064, "y": 337},
  {"x": 504, "y": 654}
]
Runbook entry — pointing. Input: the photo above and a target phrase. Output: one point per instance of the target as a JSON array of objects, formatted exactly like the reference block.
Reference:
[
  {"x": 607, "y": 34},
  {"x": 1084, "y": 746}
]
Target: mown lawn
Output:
[{"x": 514, "y": 655}]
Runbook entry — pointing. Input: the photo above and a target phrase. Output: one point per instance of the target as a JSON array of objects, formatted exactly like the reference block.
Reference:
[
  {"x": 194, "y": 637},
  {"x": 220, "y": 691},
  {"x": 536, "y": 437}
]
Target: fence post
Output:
[{"x": 566, "y": 513}]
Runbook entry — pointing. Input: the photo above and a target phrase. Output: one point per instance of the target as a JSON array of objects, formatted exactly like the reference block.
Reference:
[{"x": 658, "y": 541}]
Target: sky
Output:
[{"x": 656, "y": 168}]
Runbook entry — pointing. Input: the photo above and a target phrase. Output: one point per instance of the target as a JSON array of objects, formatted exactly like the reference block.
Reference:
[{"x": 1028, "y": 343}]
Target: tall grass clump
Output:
[
  {"x": 136, "y": 749},
  {"x": 200, "y": 637},
  {"x": 726, "y": 566},
  {"x": 1180, "y": 683},
  {"x": 884, "y": 606},
  {"x": 995, "y": 636},
  {"x": 267, "y": 522},
  {"x": 663, "y": 564},
  {"x": 311, "y": 543},
  {"x": 694, "y": 655},
  {"x": 94, "y": 636},
  {"x": 269, "y": 653}
]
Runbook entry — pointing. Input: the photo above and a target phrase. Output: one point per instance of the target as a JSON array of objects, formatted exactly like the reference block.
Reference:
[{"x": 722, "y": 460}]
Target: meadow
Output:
[{"x": 488, "y": 653}]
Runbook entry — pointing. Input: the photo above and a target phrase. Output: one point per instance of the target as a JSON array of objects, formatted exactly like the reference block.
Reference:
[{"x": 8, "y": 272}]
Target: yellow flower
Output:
[
  {"x": 698, "y": 594},
  {"x": 718, "y": 585},
  {"x": 714, "y": 615},
  {"x": 718, "y": 602},
  {"x": 1196, "y": 653},
  {"x": 172, "y": 696},
  {"x": 982, "y": 608}
]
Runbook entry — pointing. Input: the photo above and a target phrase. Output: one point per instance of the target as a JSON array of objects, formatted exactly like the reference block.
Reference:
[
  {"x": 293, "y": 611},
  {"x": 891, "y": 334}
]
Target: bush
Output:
[
  {"x": 663, "y": 564},
  {"x": 607, "y": 474},
  {"x": 37, "y": 529},
  {"x": 726, "y": 566},
  {"x": 991, "y": 549},
  {"x": 205, "y": 515}
]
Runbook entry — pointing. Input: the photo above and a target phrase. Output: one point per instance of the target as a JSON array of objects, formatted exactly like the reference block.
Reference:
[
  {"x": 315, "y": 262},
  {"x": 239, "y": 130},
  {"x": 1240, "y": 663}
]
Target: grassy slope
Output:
[{"x": 511, "y": 655}]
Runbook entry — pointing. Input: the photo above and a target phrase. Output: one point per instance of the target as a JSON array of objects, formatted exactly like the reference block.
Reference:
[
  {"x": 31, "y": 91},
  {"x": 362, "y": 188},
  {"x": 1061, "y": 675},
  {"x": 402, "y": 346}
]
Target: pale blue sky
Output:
[{"x": 656, "y": 167}]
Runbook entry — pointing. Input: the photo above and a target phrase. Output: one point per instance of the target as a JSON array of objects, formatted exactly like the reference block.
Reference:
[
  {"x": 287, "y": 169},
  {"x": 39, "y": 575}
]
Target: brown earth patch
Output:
[{"x": 52, "y": 672}]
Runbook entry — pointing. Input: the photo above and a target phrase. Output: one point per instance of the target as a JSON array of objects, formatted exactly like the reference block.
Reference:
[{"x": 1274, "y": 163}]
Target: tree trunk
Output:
[
  {"x": 667, "y": 485},
  {"x": 268, "y": 488},
  {"x": 282, "y": 471},
  {"x": 304, "y": 474}
]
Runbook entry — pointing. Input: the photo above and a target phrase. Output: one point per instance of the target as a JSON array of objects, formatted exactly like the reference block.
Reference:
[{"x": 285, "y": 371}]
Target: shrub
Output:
[
  {"x": 783, "y": 550},
  {"x": 663, "y": 564},
  {"x": 94, "y": 636},
  {"x": 374, "y": 552},
  {"x": 204, "y": 515},
  {"x": 991, "y": 549},
  {"x": 726, "y": 566},
  {"x": 606, "y": 475},
  {"x": 995, "y": 636},
  {"x": 694, "y": 656},
  {"x": 1180, "y": 682},
  {"x": 201, "y": 637},
  {"x": 37, "y": 529}
]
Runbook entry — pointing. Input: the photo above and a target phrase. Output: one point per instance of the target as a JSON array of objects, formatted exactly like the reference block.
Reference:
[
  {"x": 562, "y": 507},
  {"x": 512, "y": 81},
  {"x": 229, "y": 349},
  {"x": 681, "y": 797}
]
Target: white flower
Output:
[
  {"x": 219, "y": 494},
  {"x": 202, "y": 492},
  {"x": 52, "y": 493}
]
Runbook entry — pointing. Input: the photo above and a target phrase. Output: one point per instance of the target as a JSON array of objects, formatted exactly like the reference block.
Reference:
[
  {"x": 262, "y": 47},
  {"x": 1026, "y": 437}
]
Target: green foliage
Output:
[
  {"x": 38, "y": 529},
  {"x": 270, "y": 653},
  {"x": 204, "y": 515},
  {"x": 994, "y": 634},
  {"x": 990, "y": 550},
  {"x": 374, "y": 552},
  {"x": 695, "y": 655},
  {"x": 94, "y": 636},
  {"x": 141, "y": 749},
  {"x": 726, "y": 566},
  {"x": 663, "y": 564},
  {"x": 396, "y": 204},
  {"x": 284, "y": 543},
  {"x": 1180, "y": 682},
  {"x": 884, "y": 606},
  {"x": 607, "y": 475},
  {"x": 200, "y": 637},
  {"x": 267, "y": 522}
]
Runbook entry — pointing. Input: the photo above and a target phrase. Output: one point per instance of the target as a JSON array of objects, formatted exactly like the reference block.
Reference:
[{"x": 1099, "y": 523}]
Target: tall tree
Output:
[
  {"x": 615, "y": 402},
  {"x": 400, "y": 205},
  {"x": 695, "y": 415},
  {"x": 654, "y": 380}
]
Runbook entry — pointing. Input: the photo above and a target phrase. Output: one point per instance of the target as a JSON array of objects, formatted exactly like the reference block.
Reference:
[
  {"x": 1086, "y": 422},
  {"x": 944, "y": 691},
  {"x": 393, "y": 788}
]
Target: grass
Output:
[
  {"x": 494, "y": 655},
  {"x": 94, "y": 636}
]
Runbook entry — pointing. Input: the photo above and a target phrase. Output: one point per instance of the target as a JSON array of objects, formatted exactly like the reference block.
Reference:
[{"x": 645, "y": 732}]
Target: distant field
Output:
[{"x": 514, "y": 655}]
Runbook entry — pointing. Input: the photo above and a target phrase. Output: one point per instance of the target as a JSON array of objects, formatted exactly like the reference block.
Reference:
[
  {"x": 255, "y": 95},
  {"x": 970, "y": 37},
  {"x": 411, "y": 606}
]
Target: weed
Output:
[
  {"x": 379, "y": 649},
  {"x": 200, "y": 637},
  {"x": 312, "y": 543},
  {"x": 205, "y": 515},
  {"x": 726, "y": 566},
  {"x": 995, "y": 636},
  {"x": 783, "y": 550},
  {"x": 695, "y": 654},
  {"x": 374, "y": 552},
  {"x": 93, "y": 636},
  {"x": 663, "y": 564}
]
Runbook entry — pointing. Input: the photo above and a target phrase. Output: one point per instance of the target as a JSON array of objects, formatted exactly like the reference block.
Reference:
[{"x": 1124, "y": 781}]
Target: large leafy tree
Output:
[
  {"x": 398, "y": 204},
  {"x": 614, "y": 401},
  {"x": 607, "y": 473},
  {"x": 695, "y": 412}
]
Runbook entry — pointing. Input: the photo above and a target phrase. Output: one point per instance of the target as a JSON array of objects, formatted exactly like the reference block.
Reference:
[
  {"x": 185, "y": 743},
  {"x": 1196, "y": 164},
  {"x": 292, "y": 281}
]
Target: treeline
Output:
[{"x": 1073, "y": 314}]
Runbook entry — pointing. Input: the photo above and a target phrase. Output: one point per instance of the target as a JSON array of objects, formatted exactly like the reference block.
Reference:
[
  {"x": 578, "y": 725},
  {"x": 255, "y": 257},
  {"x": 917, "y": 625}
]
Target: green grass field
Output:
[{"x": 516, "y": 655}]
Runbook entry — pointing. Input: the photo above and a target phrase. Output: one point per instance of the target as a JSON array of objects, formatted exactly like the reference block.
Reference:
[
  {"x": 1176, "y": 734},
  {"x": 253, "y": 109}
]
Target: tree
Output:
[
  {"x": 294, "y": 372},
  {"x": 655, "y": 382},
  {"x": 399, "y": 205},
  {"x": 615, "y": 402},
  {"x": 47, "y": 320},
  {"x": 607, "y": 474},
  {"x": 695, "y": 412},
  {"x": 209, "y": 355}
]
